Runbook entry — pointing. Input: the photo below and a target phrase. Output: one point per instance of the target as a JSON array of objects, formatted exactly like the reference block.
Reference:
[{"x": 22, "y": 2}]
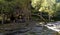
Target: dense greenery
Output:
[
  {"x": 27, "y": 8},
  {"x": 15, "y": 12},
  {"x": 49, "y": 6},
  {"x": 15, "y": 8}
]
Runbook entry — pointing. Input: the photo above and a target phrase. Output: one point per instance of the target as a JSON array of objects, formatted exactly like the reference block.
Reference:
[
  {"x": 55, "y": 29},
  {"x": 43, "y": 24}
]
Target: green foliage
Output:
[
  {"x": 45, "y": 5},
  {"x": 6, "y": 6},
  {"x": 58, "y": 7},
  {"x": 11, "y": 5},
  {"x": 36, "y": 3},
  {"x": 8, "y": 0}
]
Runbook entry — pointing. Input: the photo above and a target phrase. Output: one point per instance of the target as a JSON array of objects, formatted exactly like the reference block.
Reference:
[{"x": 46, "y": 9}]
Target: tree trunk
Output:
[
  {"x": 49, "y": 18},
  {"x": 27, "y": 10},
  {"x": 3, "y": 19}
]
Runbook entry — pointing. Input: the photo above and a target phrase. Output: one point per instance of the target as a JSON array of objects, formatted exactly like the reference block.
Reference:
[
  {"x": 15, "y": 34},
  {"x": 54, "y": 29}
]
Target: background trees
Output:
[
  {"x": 49, "y": 6},
  {"x": 23, "y": 7},
  {"x": 15, "y": 7}
]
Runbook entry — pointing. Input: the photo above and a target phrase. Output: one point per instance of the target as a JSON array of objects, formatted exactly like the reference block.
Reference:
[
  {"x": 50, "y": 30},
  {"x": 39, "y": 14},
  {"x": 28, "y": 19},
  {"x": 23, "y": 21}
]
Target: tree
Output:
[
  {"x": 12, "y": 6},
  {"x": 48, "y": 6},
  {"x": 58, "y": 7},
  {"x": 57, "y": 13}
]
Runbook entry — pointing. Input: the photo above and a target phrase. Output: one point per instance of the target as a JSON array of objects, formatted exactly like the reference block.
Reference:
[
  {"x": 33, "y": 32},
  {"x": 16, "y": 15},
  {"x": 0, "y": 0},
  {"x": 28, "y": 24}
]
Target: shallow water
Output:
[{"x": 37, "y": 30}]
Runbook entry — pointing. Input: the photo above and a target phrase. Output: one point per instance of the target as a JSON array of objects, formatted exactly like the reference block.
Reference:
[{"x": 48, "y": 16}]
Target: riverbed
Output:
[
  {"x": 37, "y": 30},
  {"x": 34, "y": 30}
]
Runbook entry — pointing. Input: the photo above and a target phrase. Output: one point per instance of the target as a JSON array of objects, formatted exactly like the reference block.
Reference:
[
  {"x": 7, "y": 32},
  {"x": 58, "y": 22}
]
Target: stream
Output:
[{"x": 36, "y": 30}]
